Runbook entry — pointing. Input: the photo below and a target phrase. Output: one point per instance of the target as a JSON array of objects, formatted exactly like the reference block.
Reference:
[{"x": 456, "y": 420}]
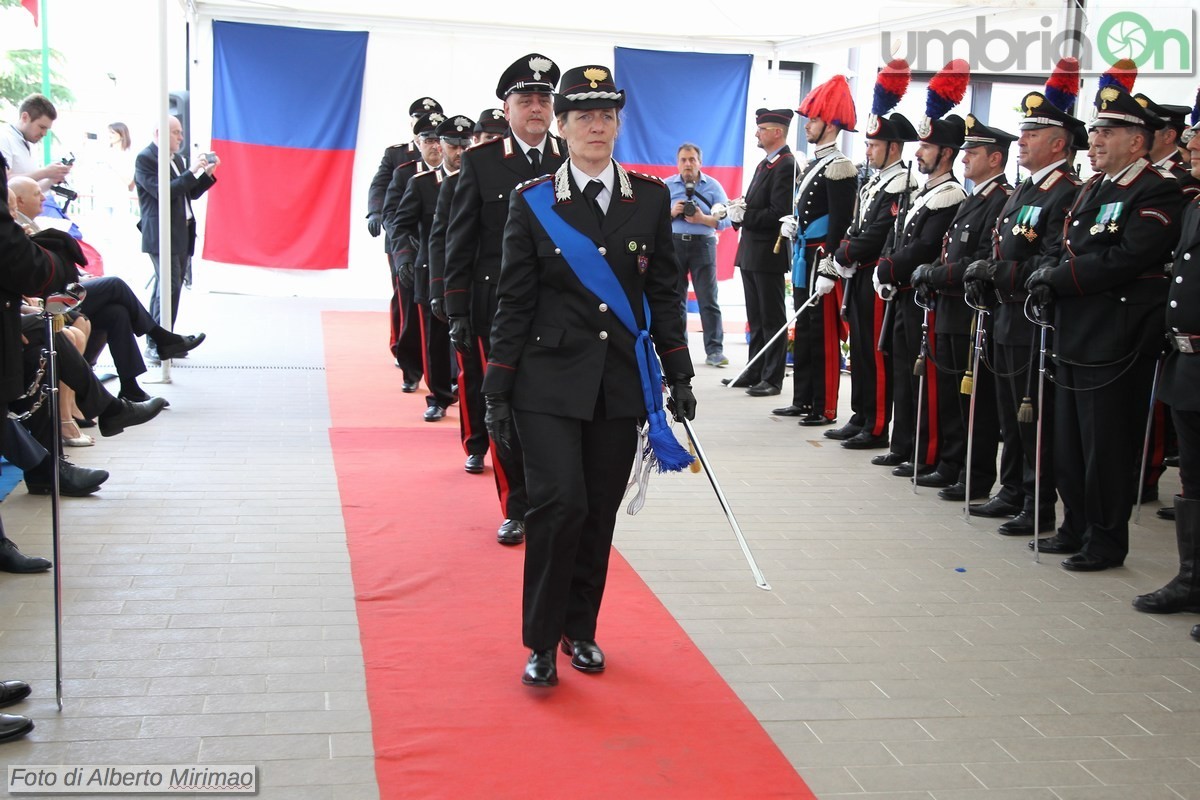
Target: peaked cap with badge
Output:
[
  {"x": 774, "y": 116},
  {"x": 491, "y": 120},
  {"x": 456, "y": 130},
  {"x": 976, "y": 134},
  {"x": 529, "y": 74},
  {"x": 427, "y": 124},
  {"x": 589, "y": 86},
  {"x": 424, "y": 105},
  {"x": 1115, "y": 106},
  {"x": 1174, "y": 117}
]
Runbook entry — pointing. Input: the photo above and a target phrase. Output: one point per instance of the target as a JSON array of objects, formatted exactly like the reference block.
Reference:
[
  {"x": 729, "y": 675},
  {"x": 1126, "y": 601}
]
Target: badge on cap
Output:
[
  {"x": 1107, "y": 95},
  {"x": 595, "y": 75},
  {"x": 1032, "y": 102},
  {"x": 873, "y": 124},
  {"x": 540, "y": 65}
]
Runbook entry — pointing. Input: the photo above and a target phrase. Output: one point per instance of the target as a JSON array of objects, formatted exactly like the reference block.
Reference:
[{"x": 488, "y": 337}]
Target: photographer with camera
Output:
[
  {"x": 36, "y": 115},
  {"x": 693, "y": 226}
]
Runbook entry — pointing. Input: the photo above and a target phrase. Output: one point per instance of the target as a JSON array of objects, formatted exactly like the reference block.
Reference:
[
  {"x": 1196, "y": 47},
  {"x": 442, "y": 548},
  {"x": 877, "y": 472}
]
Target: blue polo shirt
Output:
[{"x": 708, "y": 193}]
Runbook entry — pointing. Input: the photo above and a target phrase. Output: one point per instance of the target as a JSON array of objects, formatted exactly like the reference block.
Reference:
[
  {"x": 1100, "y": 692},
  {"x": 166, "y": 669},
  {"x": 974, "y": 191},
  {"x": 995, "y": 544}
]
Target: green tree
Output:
[{"x": 21, "y": 73}]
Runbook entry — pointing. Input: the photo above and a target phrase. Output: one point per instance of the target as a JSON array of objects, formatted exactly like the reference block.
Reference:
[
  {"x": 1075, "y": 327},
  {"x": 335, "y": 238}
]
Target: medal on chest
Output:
[
  {"x": 1107, "y": 218},
  {"x": 1027, "y": 220}
]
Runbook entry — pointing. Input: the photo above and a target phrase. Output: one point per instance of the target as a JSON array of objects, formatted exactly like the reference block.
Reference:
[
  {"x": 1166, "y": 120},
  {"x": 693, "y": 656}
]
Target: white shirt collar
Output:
[
  {"x": 979, "y": 187},
  {"x": 608, "y": 178},
  {"x": 1037, "y": 177},
  {"x": 525, "y": 148}
]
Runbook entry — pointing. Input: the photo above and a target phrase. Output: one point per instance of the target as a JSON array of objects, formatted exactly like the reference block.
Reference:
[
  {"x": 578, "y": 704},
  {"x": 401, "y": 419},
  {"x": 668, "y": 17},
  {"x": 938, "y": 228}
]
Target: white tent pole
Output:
[{"x": 164, "y": 184}]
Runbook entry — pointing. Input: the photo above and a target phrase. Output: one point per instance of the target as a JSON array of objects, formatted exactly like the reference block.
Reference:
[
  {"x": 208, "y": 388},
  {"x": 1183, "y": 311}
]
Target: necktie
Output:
[
  {"x": 535, "y": 158},
  {"x": 591, "y": 192}
]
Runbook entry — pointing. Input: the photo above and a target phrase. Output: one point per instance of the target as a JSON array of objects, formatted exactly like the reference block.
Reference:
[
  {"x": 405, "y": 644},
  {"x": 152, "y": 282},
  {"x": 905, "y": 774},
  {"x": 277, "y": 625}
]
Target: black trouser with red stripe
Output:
[
  {"x": 870, "y": 370},
  {"x": 956, "y": 354},
  {"x": 435, "y": 336},
  {"x": 1016, "y": 383},
  {"x": 817, "y": 353},
  {"x": 906, "y": 346},
  {"x": 509, "y": 468},
  {"x": 406, "y": 345}
]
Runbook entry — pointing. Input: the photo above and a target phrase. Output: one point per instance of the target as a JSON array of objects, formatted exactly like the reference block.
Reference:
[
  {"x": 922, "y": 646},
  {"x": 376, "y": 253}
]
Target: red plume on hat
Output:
[
  {"x": 1122, "y": 74},
  {"x": 1062, "y": 88},
  {"x": 890, "y": 85},
  {"x": 946, "y": 90},
  {"x": 833, "y": 102}
]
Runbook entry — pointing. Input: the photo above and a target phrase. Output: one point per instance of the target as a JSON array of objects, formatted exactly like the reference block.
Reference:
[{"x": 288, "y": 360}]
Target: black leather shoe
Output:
[
  {"x": 474, "y": 464},
  {"x": 434, "y": 413},
  {"x": 1166, "y": 512},
  {"x": 541, "y": 671},
  {"x": 126, "y": 414},
  {"x": 13, "y": 560},
  {"x": 1083, "y": 562},
  {"x": 73, "y": 481},
  {"x": 1171, "y": 461},
  {"x": 512, "y": 531},
  {"x": 585, "y": 655},
  {"x": 844, "y": 433},
  {"x": 408, "y": 387},
  {"x": 934, "y": 480},
  {"x": 888, "y": 460},
  {"x": 1196, "y": 632},
  {"x": 905, "y": 470},
  {"x": 1022, "y": 524},
  {"x": 863, "y": 440},
  {"x": 1056, "y": 545},
  {"x": 14, "y": 727},
  {"x": 763, "y": 389},
  {"x": 177, "y": 349},
  {"x": 740, "y": 383},
  {"x": 996, "y": 508},
  {"x": 789, "y": 411},
  {"x": 13, "y": 691},
  {"x": 816, "y": 420}
]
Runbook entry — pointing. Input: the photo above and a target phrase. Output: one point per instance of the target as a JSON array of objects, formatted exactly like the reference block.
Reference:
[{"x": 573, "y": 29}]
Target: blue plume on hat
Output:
[
  {"x": 890, "y": 85},
  {"x": 1062, "y": 88},
  {"x": 947, "y": 88},
  {"x": 1196, "y": 109},
  {"x": 1122, "y": 74}
]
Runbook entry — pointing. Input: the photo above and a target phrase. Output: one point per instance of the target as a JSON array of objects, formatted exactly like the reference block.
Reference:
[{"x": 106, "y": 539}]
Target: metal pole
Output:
[
  {"x": 1037, "y": 456},
  {"x": 809, "y": 302},
  {"x": 920, "y": 368},
  {"x": 1137, "y": 514},
  {"x": 759, "y": 579},
  {"x": 979, "y": 314},
  {"x": 51, "y": 391}
]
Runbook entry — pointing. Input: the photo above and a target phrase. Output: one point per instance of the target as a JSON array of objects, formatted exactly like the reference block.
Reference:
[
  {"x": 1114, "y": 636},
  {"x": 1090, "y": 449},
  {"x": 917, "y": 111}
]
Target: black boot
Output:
[{"x": 1182, "y": 593}]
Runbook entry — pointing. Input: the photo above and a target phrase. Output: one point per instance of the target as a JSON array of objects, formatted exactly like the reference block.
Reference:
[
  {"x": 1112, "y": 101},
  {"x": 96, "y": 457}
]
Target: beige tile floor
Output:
[{"x": 903, "y": 653}]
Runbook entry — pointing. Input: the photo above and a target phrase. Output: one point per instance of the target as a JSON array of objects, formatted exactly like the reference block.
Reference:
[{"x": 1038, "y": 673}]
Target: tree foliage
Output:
[{"x": 21, "y": 73}]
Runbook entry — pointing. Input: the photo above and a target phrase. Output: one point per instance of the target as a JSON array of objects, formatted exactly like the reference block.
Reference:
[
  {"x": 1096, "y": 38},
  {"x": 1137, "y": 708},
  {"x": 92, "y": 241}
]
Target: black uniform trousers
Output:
[
  {"x": 406, "y": 343},
  {"x": 956, "y": 354},
  {"x": 816, "y": 353},
  {"x": 509, "y": 466},
  {"x": 576, "y": 472},
  {"x": 1016, "y": 380},
  {"x": 1187, "y": 428},
  {"x": 118, "y": 318},
  {"x": 870, "y": 369},
  {"x": 435, "y": 341},
  {"x": 906, "y": 346},
  {"x": 1097, "y": 449},
  {"x": 766, "y": 313}
]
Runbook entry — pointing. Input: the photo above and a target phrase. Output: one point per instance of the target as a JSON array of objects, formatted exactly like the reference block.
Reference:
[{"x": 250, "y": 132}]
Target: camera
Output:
[
  {"x": 210, "y": 157},
  {"x": 689, "y": 205},
  {"x": 68, "y": 160}
]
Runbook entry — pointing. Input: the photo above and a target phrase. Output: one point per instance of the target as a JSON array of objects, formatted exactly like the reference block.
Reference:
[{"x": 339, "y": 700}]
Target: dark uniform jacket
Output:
[
  {"x": 391, "y": 200},
  {"x": 768, "y": 198},
  {"x": 185, "y": 186},
  {"x": 555, "y": 345},
  {"x": 413, "y": 223},
  {"x": 924, "y": 225},
  {"x": 475, "y": 231},
  {"x": 1187, "y": 181},
  {"x": 393, "y": 157},
  {"x": 1028, "y": 236},
  {"x": 1181, "y": 373},
  {"x": 968, "y": 239},
  {"x": 1111, "y": 281},
  {"x": 437, "y": 238},
  {"x": 830, "y": 184},
  {"x": 880, "y": 200}
]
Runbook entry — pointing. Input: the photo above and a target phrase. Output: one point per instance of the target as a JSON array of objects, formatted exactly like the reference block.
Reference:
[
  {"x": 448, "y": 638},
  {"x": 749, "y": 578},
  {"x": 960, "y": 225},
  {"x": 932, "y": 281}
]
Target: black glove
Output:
[
  {"x": 437, "y": 307},
  {"x": 404, "y": 274},
  {"x": 926, "y": 292},
  {"x": 683, "y": 402},
  {"x": 460, "y": 334},
  {"x": 374, "y": 224},
  {"x": 497, "y": 418},
  {"x": 977, "y": 294},
  {"x": 1039, "y": 287},
  {"x": 921, "y": 275},
  {"x": 981, "y": 270}
]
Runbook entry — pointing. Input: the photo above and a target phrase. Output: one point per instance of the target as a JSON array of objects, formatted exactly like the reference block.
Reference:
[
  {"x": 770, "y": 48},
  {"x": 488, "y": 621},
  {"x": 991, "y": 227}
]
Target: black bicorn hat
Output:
[
  {"x": 456, "y": 130},
  {"x": 491, "y": 120},
  {"x": 1116, "y": 108},
  {"x": 893, "y": 128},
  {"x": 424, "y": 105},
  {"x": 428, "y": 123},
  {"x": 774, "y": 116},
  {"x": 976, "y": 134},
  {"x": 1174, "y": 117},
  {"x": 589, "y": 86},
  {"x": 529, "y": 74},
  {"x": 950, "y": 131}
]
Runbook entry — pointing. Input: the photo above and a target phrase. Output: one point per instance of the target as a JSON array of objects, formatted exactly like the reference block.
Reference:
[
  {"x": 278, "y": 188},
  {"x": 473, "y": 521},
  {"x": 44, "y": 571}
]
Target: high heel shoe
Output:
[{"x": 80, "y": 439}]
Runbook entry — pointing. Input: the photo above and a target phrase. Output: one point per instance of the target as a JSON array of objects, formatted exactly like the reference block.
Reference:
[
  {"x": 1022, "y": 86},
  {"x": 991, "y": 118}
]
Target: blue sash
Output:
[
  {"x": 814, "y": 230},
  {"x": 594, "y": 272}
]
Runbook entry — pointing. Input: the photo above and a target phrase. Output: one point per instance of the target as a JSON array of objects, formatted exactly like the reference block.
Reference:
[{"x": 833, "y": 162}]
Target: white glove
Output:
[
  {"x": 788, "y": 226},
  {"x": 884, "y": 290},
  {"x": 843, "y": 272},
  {"x": 719, "y": 210},
  {"x": 736, "y": 211},
  {"x": 824, "y": 285}
]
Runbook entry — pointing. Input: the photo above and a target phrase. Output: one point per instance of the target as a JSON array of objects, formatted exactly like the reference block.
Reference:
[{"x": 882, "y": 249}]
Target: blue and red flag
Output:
[
  {"x": 686, "y": 97},
  {"x": 285, "y": 123}
]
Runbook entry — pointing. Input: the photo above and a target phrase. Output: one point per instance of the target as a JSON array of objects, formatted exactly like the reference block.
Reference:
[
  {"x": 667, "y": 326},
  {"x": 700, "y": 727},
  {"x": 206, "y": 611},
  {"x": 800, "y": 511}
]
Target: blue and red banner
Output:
[
  {"x": 686, "y": 97},
  {"x": 285, "y": 123}
]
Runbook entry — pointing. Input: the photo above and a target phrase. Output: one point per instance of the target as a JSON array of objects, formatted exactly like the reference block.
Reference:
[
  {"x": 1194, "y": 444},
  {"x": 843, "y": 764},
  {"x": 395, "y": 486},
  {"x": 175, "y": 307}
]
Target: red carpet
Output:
[{"x": 439, "y": 611}]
